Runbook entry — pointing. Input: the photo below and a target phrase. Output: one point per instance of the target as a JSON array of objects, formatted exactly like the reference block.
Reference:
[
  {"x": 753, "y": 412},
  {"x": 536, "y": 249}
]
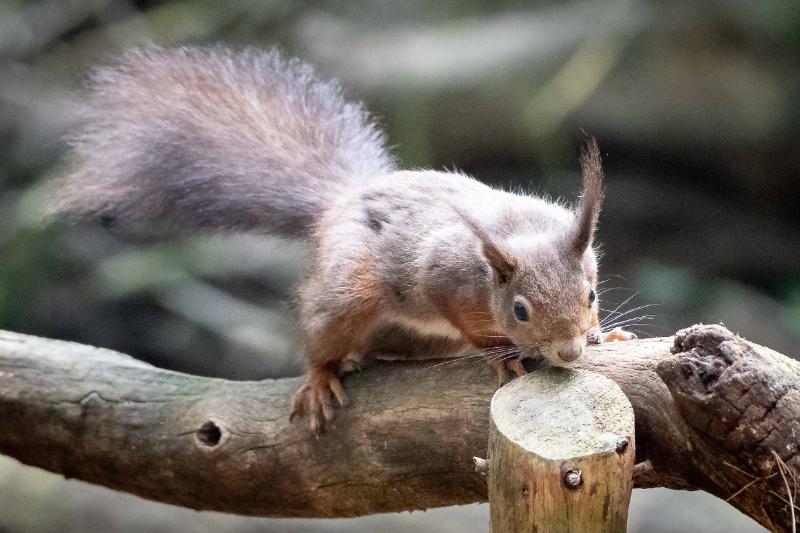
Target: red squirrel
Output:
[{"x": 207, "y": 139}]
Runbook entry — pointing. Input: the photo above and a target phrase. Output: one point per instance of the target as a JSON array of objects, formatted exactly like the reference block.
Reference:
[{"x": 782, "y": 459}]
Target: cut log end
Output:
[{"x": 562, "y": 450}]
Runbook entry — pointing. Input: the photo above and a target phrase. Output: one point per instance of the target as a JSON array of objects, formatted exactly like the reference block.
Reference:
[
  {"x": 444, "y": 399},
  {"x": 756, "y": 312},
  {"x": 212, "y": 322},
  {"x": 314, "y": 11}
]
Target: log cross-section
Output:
[
  {"x": 561, "y": 450},
  {"x": 713, "y": 412}
]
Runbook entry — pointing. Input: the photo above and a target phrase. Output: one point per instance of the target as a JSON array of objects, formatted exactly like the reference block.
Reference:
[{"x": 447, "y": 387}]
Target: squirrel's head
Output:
[
  {"x": 545, "y": 306},
  {"x": 545, "y": 284}
]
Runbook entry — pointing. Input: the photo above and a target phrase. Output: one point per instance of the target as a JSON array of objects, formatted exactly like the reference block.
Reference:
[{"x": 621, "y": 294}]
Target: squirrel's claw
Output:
[
  {"x": 335, "y": 385},
  {"x": 313, "y": 401}
]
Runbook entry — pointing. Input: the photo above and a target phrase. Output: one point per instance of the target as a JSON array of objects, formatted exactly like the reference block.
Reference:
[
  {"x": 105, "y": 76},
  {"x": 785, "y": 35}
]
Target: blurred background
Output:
[{"x": 696, "y": 106}]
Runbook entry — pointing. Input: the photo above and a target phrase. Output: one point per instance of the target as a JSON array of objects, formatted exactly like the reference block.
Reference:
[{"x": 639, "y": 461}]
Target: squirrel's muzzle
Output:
[{"x": 568, "y": 350}]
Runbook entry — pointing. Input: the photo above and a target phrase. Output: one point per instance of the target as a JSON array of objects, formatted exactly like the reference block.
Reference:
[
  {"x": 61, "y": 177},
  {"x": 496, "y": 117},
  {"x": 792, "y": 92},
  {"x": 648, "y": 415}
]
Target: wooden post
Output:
[{"x": 561, "y": 453}]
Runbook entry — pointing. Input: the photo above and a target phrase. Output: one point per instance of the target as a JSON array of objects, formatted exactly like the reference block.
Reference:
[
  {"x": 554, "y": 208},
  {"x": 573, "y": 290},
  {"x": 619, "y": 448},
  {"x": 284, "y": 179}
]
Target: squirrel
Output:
[{"x": 196, "y": 139}]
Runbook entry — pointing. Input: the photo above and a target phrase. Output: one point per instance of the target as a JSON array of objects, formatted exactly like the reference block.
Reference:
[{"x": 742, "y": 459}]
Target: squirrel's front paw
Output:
[
  {"x": 597, "y": 336},
  {"x": 618, "y": 334},
  {"x": 313, "y": 400},
  {"x": 507, "y": 369}
]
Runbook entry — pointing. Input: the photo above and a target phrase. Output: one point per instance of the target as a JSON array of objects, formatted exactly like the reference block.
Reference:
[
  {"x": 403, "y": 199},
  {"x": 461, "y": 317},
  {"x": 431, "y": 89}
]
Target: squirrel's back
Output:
[{"x": 188, "y": 139}]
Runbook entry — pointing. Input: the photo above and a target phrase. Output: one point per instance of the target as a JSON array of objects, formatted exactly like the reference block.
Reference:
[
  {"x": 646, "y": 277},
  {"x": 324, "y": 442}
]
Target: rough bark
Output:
[{"x": 713, "y": 412}]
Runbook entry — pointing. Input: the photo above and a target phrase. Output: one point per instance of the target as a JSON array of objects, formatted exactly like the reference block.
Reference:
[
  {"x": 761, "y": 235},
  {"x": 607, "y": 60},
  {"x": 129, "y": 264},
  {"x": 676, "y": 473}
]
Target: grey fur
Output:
[{"x": 192, "y": 139}]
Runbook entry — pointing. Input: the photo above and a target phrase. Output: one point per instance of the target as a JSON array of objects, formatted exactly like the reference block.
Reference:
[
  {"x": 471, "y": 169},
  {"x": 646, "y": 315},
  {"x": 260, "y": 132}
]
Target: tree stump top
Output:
[{"x": 560, "y": 413}]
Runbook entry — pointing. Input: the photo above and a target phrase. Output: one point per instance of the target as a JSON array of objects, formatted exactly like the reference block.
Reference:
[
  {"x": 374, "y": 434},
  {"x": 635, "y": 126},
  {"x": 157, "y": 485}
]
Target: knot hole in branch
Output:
[{"x": 209, "y": 436}]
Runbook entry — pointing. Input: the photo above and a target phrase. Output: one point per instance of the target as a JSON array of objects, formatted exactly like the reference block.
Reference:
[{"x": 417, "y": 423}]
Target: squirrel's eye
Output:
[
  {"x": 520, "y": 313},
  {"x": 592, "y": 297}
]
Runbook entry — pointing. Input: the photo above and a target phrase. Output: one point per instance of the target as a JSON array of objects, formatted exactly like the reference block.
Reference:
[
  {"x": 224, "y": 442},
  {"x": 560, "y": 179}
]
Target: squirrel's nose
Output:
[{"x": 569, "y": 350}]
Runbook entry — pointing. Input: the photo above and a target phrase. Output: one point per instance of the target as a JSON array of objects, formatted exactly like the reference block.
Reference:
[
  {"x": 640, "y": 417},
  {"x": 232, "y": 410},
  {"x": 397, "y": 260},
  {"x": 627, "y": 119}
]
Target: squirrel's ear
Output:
[
  {"x": 503, "y": 263},
  {"x": 588, "y": 209}
]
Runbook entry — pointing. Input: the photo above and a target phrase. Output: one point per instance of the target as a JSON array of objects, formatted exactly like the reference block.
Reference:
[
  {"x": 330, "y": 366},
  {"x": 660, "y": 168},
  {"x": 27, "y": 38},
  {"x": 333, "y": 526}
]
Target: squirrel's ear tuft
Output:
[
  {"x": 588, "y": 209},
  {"x": 503, "y": 263}
]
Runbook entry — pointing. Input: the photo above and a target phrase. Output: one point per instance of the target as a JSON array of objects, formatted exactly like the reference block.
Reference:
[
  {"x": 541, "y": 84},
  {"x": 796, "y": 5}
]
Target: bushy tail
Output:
[{"x": 192, "y": 139}]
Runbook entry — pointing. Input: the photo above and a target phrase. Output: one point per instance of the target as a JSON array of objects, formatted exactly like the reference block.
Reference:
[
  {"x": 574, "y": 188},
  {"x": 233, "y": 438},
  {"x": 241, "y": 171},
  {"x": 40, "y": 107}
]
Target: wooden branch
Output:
[{"x": 708, "y": 416}]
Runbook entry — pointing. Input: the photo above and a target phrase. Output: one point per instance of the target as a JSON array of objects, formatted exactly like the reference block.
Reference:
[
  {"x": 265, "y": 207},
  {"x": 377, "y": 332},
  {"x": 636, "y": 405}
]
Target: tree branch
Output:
[{"x": 708, "y": 416}]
